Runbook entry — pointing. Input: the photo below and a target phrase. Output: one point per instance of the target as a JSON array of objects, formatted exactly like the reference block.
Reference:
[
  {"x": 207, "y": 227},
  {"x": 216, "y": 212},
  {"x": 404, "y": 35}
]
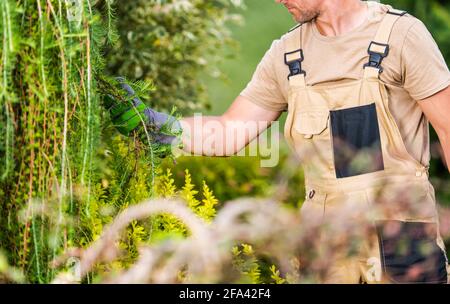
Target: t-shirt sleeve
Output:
[
  {"x": 424, "y": 70},
  {"x": 264, "y": 89}
]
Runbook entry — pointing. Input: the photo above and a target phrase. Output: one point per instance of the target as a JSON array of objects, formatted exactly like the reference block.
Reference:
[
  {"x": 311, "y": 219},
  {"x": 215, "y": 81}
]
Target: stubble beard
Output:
[{"x": 306, "y": 16}]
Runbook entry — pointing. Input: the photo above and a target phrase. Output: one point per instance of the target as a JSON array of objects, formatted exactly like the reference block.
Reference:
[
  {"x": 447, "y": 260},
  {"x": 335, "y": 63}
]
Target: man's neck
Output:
[{"x": 338, "y": 17}]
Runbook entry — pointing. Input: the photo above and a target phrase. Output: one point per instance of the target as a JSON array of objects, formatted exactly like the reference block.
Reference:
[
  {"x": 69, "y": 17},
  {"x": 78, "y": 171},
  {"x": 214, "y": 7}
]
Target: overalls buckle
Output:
[
  {"x": 294, "y": 60},
  {"x": 377, "y": 52}
]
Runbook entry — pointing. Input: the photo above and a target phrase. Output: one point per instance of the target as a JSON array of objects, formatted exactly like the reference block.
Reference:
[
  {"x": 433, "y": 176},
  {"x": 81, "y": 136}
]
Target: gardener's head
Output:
[{"x": 303, "y": 10}]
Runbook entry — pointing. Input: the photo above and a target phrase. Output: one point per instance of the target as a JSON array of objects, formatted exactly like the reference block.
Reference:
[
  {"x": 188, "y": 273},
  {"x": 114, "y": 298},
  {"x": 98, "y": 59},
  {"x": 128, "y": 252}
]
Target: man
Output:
[{"x": 360, "y": 81}]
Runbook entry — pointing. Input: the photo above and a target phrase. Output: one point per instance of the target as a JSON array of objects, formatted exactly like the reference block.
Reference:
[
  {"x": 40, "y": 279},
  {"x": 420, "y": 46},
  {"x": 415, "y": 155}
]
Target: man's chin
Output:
[
  {"x": 304, "y": 19},
  {"x": 304, "y": 16}
]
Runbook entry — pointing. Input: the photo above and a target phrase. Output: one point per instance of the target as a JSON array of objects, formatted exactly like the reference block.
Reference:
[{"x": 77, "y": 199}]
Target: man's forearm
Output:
[{"x": 212, "y": 136}]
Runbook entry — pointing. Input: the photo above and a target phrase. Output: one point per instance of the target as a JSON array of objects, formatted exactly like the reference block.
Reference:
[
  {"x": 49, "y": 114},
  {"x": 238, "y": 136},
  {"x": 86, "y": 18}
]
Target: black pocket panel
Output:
[
  {"x": 356, "y": 141},
  {"x": 410, "y": 254}
]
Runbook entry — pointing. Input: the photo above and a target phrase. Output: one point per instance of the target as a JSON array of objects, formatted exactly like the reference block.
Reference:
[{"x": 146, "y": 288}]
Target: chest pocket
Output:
[
  {"x": 356, "y": 141},
  {"x": 311, "y": 123}
]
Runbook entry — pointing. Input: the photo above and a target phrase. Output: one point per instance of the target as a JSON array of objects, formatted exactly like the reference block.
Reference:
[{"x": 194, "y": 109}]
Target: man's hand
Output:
[
  {"x": 128, "y": 116},
  {"x": 437, "y": 110}
]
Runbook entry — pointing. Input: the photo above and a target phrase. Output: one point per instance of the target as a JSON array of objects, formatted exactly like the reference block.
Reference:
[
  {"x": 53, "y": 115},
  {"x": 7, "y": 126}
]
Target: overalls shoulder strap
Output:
[
  {"x": 379, "y": 47},
  {"x": 293, "y": 57}
]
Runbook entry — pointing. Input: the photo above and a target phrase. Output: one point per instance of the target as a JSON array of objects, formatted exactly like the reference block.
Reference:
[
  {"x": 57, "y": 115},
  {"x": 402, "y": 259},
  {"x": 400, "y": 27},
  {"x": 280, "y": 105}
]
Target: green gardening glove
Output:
[{"x": 131, "y": 115}]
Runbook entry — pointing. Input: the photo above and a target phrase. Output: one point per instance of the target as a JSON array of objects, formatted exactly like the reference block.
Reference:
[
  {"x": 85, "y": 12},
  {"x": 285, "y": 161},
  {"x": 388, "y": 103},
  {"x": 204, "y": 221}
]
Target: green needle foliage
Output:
[
  {"x": 50, "y": 123},
  {"x": 7, "y": 97}
]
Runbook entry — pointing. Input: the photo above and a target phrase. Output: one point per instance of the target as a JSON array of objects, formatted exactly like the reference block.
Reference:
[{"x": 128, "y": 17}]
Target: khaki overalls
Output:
[{"x": 358, "y": 171}]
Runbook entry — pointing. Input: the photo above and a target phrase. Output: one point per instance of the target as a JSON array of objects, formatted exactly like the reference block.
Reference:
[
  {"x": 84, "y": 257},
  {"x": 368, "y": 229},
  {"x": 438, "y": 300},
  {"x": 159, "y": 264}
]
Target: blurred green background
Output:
[{"x": 263, "y": 22}]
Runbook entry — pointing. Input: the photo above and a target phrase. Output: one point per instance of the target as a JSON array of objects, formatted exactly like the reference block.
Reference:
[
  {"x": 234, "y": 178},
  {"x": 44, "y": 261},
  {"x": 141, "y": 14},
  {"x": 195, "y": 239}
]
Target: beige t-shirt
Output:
[{"x": 414, "y": 69}]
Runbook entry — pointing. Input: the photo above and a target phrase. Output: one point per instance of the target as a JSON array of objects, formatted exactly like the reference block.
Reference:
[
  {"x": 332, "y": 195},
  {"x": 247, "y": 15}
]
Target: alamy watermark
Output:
[{"x": 237, "y": 138}]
